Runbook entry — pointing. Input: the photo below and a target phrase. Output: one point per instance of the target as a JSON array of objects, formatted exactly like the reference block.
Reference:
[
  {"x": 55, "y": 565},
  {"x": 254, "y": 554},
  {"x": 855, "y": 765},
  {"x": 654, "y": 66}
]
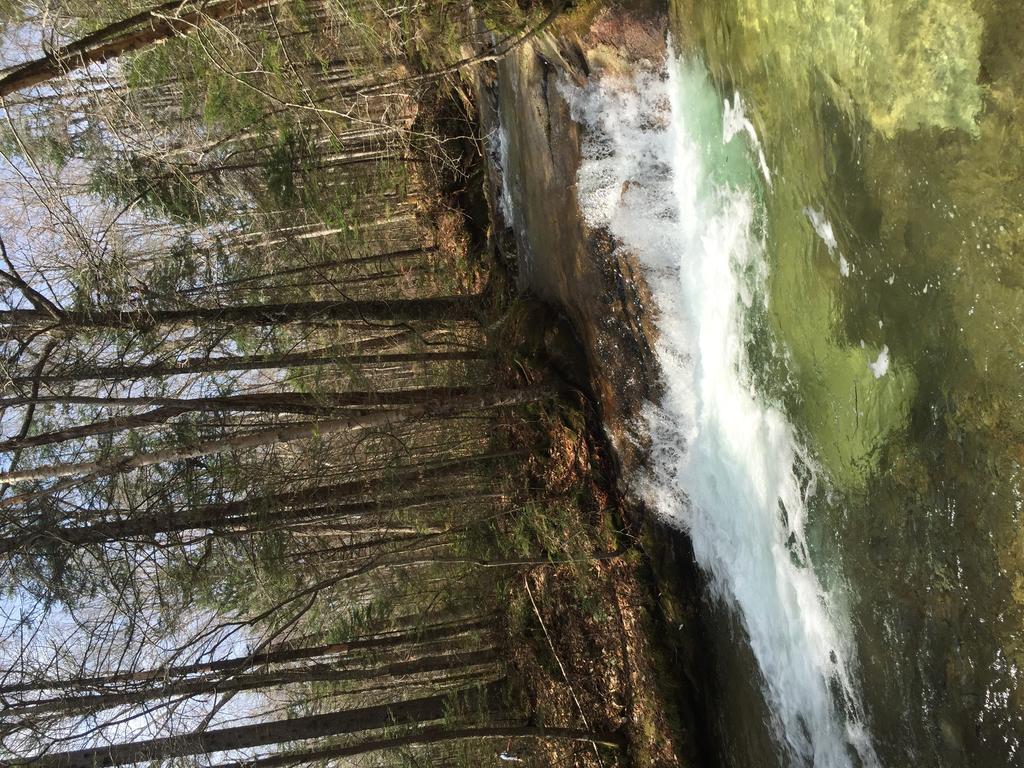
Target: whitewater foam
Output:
[
  {"x": 734, "y": 122},
  {"x": 822, "y": 228},
  {"x": 881, "y": 366},
  {"x": 844, "y": 266},
  {"x": 655, "y": 174}
]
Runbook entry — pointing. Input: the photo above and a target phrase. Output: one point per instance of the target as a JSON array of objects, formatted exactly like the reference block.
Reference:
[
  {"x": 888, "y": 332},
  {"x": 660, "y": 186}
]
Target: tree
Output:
[{"x": 131, "y": 34}]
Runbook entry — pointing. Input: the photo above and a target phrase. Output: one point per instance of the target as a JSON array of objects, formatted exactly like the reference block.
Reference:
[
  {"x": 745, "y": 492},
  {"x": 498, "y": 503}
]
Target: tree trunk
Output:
[
  {"x": 325, "y": 356},
  {"x": 269, "y": 402},
  {"x": 441, "y": 308},
  {"x": 219, "y": 684},
  {"x": 323, "y": 266},
  {"x": 149, "y": 526},
  {"x": 285, "y": 653},
  {"x": 430, "y": 735},
  {"x": 414, "y": 711}
]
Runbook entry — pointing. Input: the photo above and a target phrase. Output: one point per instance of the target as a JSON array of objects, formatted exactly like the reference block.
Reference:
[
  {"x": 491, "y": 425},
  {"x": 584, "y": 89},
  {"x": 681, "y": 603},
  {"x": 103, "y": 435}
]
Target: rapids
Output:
[
  {"x": 677, "y": 177},
  {"x": 890, "y": 336}
]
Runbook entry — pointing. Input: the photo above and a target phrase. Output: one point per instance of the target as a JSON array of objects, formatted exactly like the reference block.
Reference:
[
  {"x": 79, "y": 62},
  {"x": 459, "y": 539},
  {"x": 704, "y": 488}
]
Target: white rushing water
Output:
[{"x": 680, "y": 189}]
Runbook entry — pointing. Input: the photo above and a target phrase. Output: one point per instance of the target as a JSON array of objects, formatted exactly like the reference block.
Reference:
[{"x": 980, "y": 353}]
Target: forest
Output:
[{"x": 288, "y": 475}]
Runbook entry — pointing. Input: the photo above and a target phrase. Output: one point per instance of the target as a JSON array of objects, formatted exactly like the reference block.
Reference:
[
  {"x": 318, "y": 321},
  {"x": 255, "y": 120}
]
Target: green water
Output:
[{"x": 902, "y": 123}]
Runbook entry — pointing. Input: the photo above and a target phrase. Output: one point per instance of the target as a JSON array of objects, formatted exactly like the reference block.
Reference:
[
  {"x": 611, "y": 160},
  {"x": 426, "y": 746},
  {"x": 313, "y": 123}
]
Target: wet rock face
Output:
[
  {"x": 561, "y": 260},
  {"x": 620, "y": 41}
]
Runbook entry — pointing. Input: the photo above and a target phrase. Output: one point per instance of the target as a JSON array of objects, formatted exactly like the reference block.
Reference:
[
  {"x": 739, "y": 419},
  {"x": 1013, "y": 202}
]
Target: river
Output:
[{"x": 828, "y": 201}]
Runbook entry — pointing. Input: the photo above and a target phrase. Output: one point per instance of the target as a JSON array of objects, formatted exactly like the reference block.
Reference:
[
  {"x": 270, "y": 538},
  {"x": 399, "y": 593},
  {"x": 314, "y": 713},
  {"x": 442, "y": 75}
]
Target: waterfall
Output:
[{"x": 676, "y": 175}]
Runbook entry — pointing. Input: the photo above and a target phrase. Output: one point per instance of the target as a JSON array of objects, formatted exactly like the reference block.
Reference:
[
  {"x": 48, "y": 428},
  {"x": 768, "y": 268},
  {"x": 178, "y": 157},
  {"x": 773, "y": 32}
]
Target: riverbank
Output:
[{"x": 630, "y": 630}]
